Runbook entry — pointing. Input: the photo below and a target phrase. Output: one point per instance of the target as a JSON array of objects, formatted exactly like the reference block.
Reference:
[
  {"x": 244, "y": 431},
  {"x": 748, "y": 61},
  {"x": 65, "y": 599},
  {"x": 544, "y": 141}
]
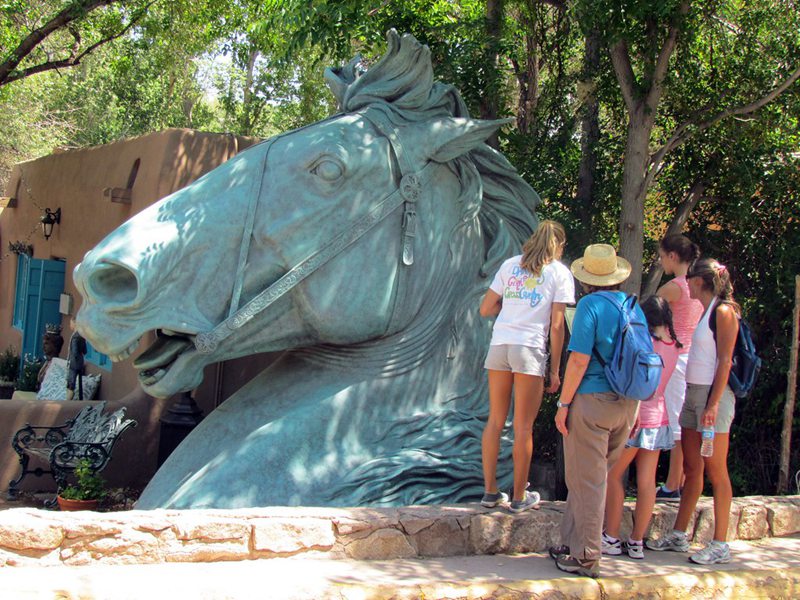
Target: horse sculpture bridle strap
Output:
[{"x": 407, "y": 194}]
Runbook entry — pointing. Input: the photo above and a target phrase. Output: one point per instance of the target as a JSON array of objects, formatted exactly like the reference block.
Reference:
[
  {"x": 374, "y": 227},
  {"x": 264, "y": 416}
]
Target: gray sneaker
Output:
[
  {"x": 492, "y": 500},
  {"x": 712, "y": 554},
  {"x": 531, "y": 500},
  {"x": 676, "y": 542}
]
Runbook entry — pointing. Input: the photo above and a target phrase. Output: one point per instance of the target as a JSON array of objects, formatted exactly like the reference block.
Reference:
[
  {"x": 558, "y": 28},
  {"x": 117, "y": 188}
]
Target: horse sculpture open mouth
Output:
[{"x": 154, "y": 363}]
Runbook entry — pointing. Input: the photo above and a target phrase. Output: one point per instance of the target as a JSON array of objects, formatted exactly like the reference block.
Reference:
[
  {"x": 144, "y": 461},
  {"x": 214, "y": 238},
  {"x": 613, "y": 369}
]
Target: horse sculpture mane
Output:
[{"x": 388, "y": 418}]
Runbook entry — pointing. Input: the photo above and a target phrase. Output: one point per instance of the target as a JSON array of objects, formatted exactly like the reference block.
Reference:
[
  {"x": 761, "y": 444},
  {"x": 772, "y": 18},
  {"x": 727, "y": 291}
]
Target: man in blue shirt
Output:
[{"x": 594, "y": 420}]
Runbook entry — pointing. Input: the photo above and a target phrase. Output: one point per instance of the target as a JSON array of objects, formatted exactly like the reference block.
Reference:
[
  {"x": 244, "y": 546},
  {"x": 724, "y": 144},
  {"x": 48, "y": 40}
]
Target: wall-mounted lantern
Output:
[{"x": 48, "y": 220}]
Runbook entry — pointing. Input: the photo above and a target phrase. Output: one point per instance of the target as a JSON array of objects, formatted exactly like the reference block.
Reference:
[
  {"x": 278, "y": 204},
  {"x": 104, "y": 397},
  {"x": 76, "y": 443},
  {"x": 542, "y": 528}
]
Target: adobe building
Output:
[{"x": 91, "y": 192}]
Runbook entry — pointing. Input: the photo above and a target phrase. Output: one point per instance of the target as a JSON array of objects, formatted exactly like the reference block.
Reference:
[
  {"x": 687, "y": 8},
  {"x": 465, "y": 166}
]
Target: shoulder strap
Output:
[{"x": 612, "y": 298}]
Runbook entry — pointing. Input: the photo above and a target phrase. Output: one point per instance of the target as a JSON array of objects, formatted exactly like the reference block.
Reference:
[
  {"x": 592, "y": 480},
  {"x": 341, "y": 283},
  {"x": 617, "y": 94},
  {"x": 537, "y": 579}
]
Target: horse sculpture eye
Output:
[{"x": 328, "y": 170}]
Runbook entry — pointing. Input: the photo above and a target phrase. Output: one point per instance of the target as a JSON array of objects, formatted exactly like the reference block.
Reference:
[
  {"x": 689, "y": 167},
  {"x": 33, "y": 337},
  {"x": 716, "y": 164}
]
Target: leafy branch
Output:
[{"x": 63, "y": 21}]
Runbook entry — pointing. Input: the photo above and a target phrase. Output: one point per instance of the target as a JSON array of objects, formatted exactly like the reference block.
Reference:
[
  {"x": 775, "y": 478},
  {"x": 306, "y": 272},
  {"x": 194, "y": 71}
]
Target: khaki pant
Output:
[{"x": 598, "y": 426}]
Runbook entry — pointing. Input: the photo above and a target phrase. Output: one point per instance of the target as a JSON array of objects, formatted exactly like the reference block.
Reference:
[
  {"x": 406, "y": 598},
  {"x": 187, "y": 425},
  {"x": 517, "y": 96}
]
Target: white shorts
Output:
[
  {"x": 517, "y": 359},
  {"x": 674, "y": 394}
]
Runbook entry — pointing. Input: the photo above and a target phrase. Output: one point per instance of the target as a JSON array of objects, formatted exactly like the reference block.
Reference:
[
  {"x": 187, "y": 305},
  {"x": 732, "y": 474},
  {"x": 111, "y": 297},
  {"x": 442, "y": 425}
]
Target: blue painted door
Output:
[{"x": 44, "y": 284}]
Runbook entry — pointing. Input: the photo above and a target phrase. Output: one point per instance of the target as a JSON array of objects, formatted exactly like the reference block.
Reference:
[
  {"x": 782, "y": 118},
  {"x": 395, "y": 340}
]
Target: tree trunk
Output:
[
  {"x": 791, "y": 391},
  {"x": 247, "y": 121},
  {"x": 590, "y": 135},
  {"x": 680, "y": 218},
  {"x": 494, "y": 30},
  {"x": 631, "y": 226}
]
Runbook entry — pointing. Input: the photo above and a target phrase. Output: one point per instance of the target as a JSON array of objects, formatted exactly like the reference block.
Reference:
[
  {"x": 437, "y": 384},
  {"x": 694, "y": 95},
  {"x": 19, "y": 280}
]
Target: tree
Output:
[
  {"x": 641, "y": 38},
  {"x": 47, "y": 35}
]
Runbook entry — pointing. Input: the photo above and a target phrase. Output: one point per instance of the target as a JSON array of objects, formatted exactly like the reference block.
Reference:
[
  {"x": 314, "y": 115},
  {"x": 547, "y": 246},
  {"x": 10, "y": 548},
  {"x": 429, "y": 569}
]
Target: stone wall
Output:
[{"x": 38, "y": 537}]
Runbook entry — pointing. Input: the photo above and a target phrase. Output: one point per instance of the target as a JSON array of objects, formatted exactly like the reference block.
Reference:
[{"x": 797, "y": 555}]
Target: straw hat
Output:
[{"x": 601, "y": 266}]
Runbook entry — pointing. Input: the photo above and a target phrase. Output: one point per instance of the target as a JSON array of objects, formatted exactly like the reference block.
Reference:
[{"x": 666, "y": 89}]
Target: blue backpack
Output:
[
  {"x": 745, "y": 364},
  {"x": 635, "y": 368}
]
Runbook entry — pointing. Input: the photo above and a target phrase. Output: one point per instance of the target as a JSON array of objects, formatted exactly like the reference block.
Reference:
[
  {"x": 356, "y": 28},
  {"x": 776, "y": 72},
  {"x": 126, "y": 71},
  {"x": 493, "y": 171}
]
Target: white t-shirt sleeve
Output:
[
  {"x": 497, "y": 283},
  {"x": 565, "y": 285}
]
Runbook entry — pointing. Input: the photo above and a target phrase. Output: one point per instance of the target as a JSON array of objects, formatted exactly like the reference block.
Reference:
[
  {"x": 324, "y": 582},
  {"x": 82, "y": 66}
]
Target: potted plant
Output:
[
  {"x": 28, "y": 380},
  {"x": 9, "y": 369},
  {"x": 87, "y": 493}
]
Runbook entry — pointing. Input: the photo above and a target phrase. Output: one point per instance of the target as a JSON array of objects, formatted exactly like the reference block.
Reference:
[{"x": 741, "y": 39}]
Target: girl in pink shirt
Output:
[
  {"x": 651, "y": 434},
  {"x": 676, "y": 253}
]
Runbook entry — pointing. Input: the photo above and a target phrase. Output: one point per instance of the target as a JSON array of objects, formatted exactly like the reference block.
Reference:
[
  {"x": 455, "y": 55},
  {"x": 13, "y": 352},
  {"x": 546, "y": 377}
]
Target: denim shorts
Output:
[
  {"x": 652, "y": 438},
  {"x": 695, "y": 403},
  {"x": 517, "y": 359}
]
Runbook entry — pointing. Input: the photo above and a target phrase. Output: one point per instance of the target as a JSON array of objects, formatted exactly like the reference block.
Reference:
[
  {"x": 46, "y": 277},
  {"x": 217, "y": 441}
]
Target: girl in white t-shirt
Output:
[{"x": 528, "y": 296}]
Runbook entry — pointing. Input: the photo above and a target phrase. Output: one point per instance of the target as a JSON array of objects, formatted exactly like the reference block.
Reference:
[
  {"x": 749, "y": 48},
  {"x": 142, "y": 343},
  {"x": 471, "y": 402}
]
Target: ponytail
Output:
[
  {"x": 542, "y": 247},
  {"x": 716, "y": 279},
  {"x": 658, "y": 314}
]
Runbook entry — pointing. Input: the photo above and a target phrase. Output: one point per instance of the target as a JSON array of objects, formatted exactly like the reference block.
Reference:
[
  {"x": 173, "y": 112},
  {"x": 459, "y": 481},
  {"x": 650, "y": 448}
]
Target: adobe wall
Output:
[{"x": 74, "y": 181}]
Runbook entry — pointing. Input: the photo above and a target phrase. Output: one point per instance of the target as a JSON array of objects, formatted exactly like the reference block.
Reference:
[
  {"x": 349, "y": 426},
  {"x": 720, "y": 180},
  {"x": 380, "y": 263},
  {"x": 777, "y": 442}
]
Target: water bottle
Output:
[{"x": 707, "y": 447}]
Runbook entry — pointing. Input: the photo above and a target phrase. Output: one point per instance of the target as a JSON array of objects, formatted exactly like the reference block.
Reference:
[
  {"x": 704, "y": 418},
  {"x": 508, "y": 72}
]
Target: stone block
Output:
[
  {"x": 383, "y": 544},
  {"x": 195, "y": 551},
  {"x": 21, "y": 530},
  {"x": 753, "y": 523},
  {"x": 534, "y": 531},
  {"x": 413, "y": 525},
  {"x": 783, "y": 517},
  {"x": 201, "y": 527},
  {"x": 490, "y": 533},
  {"x": 704, "y": 526},
  {"x": 288, "y": 536},
  {"x": 444, "y": 537},
  {"x": 663, "y": 520},
  {"x": 130, "y": 547}
]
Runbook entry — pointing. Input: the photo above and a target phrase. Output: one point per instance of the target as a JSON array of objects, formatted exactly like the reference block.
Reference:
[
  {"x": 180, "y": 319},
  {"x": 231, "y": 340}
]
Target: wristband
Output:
[{"x": 561, "y": 404}]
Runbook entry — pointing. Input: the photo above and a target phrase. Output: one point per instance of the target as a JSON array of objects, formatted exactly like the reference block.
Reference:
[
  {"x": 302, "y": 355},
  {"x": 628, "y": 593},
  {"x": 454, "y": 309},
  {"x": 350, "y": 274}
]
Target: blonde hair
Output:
[{"x": 542, "y": 247}]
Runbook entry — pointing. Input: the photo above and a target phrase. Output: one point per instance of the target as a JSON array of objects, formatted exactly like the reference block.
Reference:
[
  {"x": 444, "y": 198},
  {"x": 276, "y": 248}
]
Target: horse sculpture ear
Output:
[{"x": 453, "y": 137}]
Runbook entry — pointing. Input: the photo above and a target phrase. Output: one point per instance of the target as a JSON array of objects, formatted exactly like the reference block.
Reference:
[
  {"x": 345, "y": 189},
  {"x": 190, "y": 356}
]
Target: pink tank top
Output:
[{"x": 686, "y": 313}]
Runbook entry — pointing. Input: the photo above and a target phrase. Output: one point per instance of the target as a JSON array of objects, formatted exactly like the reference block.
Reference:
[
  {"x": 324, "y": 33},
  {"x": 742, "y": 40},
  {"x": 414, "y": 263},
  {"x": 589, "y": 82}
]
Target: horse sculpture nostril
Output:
[{"x": 113, "y": 283}]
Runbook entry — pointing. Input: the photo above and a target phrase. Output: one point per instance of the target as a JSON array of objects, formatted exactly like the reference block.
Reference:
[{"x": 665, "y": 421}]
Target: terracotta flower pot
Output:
[{"x": 66, "y": 504}]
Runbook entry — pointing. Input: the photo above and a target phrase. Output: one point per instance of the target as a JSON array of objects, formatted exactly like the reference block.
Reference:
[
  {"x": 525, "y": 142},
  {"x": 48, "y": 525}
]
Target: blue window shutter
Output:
[
  {"x": 97, "y": 358},
  {"x": 45, "y": 283},
  {"x": 20, "y": 292}
]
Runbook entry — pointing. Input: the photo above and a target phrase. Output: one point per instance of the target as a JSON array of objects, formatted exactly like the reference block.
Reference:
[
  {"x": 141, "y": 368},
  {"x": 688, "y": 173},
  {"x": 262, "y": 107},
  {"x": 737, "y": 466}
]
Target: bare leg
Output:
[
  {"x": 675, "y": 475},
  {"x": 615, "y": 491},
  {"x": 694, "y": 468},
  {"x": 716, "y": 467},
  {"x": 528, "y": 391},
  {"x": 500, "y": 384},
  {"x": 646, "y": 464}
]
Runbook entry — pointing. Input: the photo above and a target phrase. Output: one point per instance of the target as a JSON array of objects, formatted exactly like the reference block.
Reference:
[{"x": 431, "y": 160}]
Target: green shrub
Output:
[
  {"x": 9, "y": 364},
  {"x": 28, "y": 380},
  {"x": 89, "y": 485}
]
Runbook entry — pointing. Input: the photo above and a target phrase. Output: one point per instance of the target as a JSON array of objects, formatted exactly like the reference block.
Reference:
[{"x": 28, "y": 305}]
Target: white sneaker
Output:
[
  {"x": 611, "y": 546},
  {"x": 634, "y": 549},
  {"x": 675, "y": 541},
  {"x": 713, "y": 553}
]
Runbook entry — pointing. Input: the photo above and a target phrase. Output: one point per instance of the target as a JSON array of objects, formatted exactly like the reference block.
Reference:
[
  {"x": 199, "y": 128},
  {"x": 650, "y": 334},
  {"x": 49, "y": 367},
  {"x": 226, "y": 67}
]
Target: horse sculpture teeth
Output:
[{"x": 125, "y": 353}]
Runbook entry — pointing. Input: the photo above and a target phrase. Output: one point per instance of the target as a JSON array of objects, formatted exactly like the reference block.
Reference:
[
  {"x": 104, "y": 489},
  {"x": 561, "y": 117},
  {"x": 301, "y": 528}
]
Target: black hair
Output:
[
  {"x": 658, "y": 314},
  {"x": 686, "y": 250}
]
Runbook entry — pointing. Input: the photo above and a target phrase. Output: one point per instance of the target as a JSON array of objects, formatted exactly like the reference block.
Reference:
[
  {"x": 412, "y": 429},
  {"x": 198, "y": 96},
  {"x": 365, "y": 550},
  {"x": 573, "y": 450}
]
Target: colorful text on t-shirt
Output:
[{"x": 522, "y": 286}]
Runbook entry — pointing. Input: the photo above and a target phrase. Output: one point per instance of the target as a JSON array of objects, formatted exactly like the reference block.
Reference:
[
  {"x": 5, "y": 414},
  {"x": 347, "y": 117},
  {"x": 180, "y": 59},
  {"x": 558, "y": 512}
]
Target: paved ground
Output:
[{"x": 759, "y": 569}]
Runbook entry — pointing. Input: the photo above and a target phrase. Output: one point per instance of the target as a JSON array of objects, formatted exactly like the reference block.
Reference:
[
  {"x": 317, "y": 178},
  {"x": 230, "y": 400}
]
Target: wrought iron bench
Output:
[{"x": 91, "y": 435}]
